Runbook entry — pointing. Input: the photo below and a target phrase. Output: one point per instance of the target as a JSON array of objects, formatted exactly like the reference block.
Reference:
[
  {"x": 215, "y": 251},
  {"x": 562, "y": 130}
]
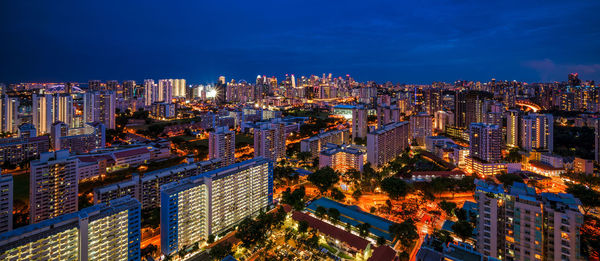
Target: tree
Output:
[
  {"x": 320, "y": 211},
  {"x": 220, "y": 251},
  {"x": 302, "y": 226},
  {"x": 381, "y": 241},
  {"x": 210, "y": 239},
  {"x": 334, "y": 214},
  {"x": 251, "y": 232},
  {"x": 295, "y": 198},
  {"x": 324, "y": 178},
  {"x": 405, "y": 232},
  {"x": 354, "y": 174},
  {"x": 337, "y": 194},
  {"x": 447, "y": 207},
  {"x": 356, "y": 194},
  {"x": 589, "y": 198},
  {"x": 463, "y": 229},
  {"x": 304, "y": 156},
  {"x": 513, "y": 156},
  {"x": 394, "y": 187},
  {"x": 509, "y": 178},
  {"x": 363, "y": 229}
]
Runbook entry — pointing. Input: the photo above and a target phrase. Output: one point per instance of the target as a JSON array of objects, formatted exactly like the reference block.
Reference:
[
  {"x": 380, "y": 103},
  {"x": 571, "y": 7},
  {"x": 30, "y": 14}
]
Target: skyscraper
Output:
[
  {"x": 179, "y": 88},
  {"x": 99, "y": 106},
  {"x": 221, "y": 145},
  {"x": 359, "y": 122},
  {"x": 512, "y": 128},
  {"x": 537, "y": 132},
  {"x": 212, "y": 202},
  {"x": 485, "y": 142},
  {"x": 269, "y": 141},
  {"x": 48, "y": 108},
  {"x": 128, "y": 89},
  {"x": 165, "y": 90},
  {"x": 100, "y": 232},
  {"x": 150, "y": 92},
  {"x": 6, "y": 203},
  {"x": 9, "y": 114},
  {"x": 53, "y": 186}
]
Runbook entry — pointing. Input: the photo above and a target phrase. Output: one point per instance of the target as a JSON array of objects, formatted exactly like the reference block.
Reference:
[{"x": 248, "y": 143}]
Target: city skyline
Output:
[{"x": 400, "y": 42}]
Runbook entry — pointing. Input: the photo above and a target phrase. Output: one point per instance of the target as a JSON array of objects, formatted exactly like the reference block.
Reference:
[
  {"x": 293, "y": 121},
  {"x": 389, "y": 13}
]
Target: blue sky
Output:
[{"x": 399, "y": 41}]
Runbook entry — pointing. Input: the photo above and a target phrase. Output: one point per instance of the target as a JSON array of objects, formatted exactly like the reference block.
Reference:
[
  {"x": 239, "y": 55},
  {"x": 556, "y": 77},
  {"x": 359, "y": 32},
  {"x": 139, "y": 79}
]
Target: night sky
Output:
[{"x": 399, "y": 41}]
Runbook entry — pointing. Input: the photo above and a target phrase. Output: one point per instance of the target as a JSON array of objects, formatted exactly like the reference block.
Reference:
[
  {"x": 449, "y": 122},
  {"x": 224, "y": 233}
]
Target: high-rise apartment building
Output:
[
  {"x": 420, "y": 126},
  {"x": 100, "y": 107},
  {"x": 128, "y": 89},
  {"x": 100, "y": 232},
  {"x": 316, "y": 143},
  {"x": 165, "y": 90},
  {"x": 150, "y": 92},
  {"x": 359, "y": 122},
  {"x": 78, "y": 140},
  {"x": 53, "y": 186},
  {"x": 485, "y": 142},
  {"x": 597, "y": 141},
  {"x": 269, "y": 140},
  {"x": 518, "y": 224},
  {"x": 6, "y": 203},
  {"x": 179, "y": 89},
  {"x": 221, "y": 145},
  {"x": 512, "y": 128},
  {"x": 387, "y": 114},
  {"x": 9, "y": 114},
  {"x": 537, "y": 132},
  {"x": 387, "y": 142},
  {"x": 212, "y": 202},
  {"x": 47, "y": 109}
]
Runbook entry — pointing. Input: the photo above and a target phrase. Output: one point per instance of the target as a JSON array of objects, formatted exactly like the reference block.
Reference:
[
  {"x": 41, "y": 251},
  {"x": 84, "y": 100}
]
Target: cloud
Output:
[{"x": 550, "y": 71}]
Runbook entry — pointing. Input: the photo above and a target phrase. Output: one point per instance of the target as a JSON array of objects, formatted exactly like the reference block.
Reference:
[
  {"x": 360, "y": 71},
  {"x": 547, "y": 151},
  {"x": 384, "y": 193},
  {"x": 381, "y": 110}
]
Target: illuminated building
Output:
[
  {"x": 9, "y": 114},
  {"x": 316, "y": 143},
  {"x": 165, "y": 90},
  {"x": 387, "y": 142},
  {"x": 128, "y": 90},
  {"x": 78, "y": 140},
  {"x": 537, "y": 132},
  {"x": 512, "y": 129},
  {"x": 24, "y": 148},
  {"x": 442, "y": 119},
  {"x": 342, "y": 158},
  {"x": 583, "y": 166},
  {"x": 485, "y": 142},
  {"x": 100, "y": 107},
  {"x": 212, "y": 202},
  {"x": 387, "y": 114},
  {"x": 518, "y": 224},
  {"x": 53, "y": 186},
  {"x": 420, "y": 127},
  {"x": 6, "y": 202},
  {"x": 150, "y": 92},
  {"x": 359, "y": 122},
  {"x": 100, "y": 232},
  {"x": 163, "y": 110},
  {"x": 146, "y": 189},
  {"x": 48, "y": 108},
  {"x": 269, "y": 140},
  {"x": 221, "y": 145},
  {"x": 179, "y": 88}
]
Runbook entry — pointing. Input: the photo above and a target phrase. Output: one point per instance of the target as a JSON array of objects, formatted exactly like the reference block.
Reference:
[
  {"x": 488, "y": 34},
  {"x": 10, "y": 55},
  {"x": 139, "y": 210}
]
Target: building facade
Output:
[{"x": 53, "y": 186}]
